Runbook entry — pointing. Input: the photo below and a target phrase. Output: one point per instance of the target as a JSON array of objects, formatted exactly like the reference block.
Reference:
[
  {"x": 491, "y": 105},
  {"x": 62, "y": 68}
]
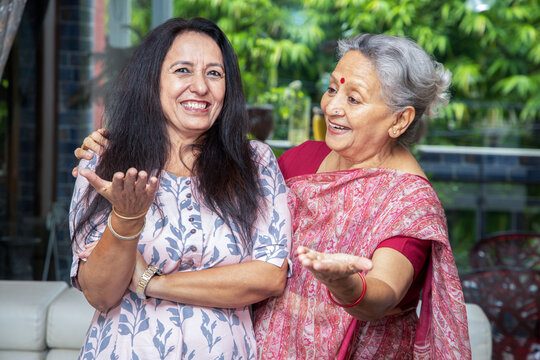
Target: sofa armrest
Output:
[
  {"x": 68, "y": 320},
  {"x": 23, "y": 313}
]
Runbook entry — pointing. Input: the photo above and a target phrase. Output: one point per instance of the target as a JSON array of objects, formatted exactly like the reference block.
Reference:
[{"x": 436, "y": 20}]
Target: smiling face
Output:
[
  {"x": 192, "y": 86},
  {"x": 358, "y": 120}
]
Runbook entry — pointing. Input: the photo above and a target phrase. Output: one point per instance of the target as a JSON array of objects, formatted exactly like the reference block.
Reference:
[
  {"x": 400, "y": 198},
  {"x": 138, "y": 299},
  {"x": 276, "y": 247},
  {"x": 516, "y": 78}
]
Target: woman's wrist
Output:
[
  {"x": 153, "y": 286},
  {"x": 125, "y": 217},
  {"x": 347, "y": 290},
  {"x": 125, "y": 229},
  {"x": 146, "y": 277}
]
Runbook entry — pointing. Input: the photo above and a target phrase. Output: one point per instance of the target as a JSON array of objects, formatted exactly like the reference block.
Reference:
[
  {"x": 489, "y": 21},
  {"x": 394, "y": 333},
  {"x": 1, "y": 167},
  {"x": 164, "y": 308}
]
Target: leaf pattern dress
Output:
[{"x": 187, "y": 237}]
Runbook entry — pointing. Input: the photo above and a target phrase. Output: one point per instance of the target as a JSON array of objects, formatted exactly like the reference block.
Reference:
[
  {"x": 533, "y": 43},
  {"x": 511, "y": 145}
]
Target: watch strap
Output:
[{"x": 144, "y": 279}]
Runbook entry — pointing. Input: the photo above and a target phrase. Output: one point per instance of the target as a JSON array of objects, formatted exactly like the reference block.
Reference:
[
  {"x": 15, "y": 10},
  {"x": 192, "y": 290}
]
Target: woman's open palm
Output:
[
  {"x": 131, "y": 193},
  {"x": 330, "y": 267}
]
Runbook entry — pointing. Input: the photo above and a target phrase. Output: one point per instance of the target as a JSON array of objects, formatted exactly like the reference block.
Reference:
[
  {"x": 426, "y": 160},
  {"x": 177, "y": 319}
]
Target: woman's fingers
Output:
[
  {"x": 95, "y": 141},
  {"x": 136, "y": 190},
  {"x": 152, "y": 186},
  {"x": 130, "y": 179},
  {"x": 141, "y": 183},
  {"x": 81, "y": 153},
  {"x": 83, "y": 255},
  {"x": 99, "y": 137},
  {"x": 98, "y": 183},
  {"x": 131, "y": 193}
]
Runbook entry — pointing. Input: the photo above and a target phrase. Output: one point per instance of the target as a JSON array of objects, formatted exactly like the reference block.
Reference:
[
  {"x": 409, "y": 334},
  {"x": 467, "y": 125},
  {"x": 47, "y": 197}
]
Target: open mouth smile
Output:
[
  {"x": 195, "y": 105},
  {"x": 337, "y": 127}
]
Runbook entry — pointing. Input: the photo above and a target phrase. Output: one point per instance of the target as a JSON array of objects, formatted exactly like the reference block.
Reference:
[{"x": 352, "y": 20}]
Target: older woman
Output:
[
  {"x": 370, "y": 230},
  {"x": 172, "y": 261},
  {"x": 362, "y": 195}
]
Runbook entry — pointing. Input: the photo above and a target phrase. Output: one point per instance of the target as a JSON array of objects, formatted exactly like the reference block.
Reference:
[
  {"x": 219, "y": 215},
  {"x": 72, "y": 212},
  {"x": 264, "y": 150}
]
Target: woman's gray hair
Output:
[{"x": 408, "y": 77}]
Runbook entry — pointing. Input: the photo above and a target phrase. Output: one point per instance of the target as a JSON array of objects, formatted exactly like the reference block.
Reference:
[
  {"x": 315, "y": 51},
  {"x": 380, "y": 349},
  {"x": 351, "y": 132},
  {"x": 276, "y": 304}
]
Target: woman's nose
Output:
[
  {"x": 198, "y": 84},
  {"x": 335, "y": 107}
]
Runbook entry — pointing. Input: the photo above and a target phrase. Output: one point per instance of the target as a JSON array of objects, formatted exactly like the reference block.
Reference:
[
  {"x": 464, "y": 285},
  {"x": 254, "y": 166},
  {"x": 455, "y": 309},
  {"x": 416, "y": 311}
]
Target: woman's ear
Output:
[{"x": 402, "y": 122}]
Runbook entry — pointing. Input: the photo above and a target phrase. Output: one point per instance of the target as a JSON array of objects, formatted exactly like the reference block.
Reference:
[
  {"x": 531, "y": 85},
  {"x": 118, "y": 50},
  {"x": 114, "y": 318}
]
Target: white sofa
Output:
[
  {"x": 48, "y": 320},
  {"x": 42, "y": 320}
]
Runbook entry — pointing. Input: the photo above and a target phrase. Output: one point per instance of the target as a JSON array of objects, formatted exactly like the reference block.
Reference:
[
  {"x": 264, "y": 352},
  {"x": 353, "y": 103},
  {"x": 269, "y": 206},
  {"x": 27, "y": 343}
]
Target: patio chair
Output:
[
  {"x": 506, "y": 250},
  {"x": 511, "y": 300}
]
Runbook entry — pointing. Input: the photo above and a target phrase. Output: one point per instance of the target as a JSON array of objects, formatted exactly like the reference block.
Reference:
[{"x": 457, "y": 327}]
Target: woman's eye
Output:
[
  {"x": 182, "y": 70},
  {"x": 331, "y": 90},
  {"x": 353, "y": 100},
  {"x": 215, "y": 73}
]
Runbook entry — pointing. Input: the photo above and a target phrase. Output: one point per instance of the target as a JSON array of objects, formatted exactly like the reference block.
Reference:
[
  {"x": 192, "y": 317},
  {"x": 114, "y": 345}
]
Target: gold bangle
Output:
[
  {"x": 109, "y": 224},
  {"x": 128, "y": 217}
]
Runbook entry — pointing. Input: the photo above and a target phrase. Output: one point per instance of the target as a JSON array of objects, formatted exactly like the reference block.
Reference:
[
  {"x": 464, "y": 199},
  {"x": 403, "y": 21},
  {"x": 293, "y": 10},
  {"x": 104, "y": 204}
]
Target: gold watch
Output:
[{"x": 144, "y": 279}]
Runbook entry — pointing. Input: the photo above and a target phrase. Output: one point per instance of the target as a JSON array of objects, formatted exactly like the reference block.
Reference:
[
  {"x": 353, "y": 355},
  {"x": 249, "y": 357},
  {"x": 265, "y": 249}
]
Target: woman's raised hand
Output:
[
  {"x": 96, "y": 141},
  {"x": 131, "y": 193},
  {"x": 330, "y": 267}
]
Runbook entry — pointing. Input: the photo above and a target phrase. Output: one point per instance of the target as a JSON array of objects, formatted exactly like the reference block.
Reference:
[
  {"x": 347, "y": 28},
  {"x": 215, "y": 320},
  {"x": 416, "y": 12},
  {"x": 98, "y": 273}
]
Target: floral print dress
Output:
[{"x": 188, "y": 237}]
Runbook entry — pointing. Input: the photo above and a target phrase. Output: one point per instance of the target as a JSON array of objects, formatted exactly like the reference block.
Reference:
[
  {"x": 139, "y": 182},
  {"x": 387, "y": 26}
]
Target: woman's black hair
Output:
[{"x": 226, "y": 171}]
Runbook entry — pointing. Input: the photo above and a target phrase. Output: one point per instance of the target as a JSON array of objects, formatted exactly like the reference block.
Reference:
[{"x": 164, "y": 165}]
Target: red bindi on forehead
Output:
[{"x": 342, "y": 80}]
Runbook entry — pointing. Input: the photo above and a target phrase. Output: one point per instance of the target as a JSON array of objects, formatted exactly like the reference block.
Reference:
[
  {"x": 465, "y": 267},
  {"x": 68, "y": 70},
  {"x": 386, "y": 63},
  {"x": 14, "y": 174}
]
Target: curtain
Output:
[{"x": 10, "y": 15}]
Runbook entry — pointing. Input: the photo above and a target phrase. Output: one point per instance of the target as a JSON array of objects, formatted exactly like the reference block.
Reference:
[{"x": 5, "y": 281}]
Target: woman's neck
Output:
[
  {"x": 181, "y": 161},
  {"x": 336, "y": 161},
  {"x": 398, "y": 158}
]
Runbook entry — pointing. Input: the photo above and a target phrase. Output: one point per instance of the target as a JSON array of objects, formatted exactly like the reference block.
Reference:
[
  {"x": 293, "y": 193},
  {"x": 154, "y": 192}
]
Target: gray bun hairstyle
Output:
[{"x": 408, "y": 77}]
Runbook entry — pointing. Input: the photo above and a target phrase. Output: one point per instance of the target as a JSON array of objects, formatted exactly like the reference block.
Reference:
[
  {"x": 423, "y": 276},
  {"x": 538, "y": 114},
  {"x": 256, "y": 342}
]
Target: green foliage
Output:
[
  {"x": 141, "y": 19},
  {"x": 274, "y": 40},
  {"x": 286, "y": 101}
]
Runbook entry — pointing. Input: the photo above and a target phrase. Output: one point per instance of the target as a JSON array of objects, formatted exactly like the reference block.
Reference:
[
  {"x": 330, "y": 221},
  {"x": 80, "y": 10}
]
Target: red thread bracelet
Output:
[{"x": 357, "y": 300}]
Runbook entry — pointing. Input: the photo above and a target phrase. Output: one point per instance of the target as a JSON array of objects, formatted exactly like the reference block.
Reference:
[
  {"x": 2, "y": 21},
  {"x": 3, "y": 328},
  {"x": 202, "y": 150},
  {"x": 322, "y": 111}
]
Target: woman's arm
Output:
[
  {"x": 387, "y": 282},
  {"x": 229, "y": 286},
  {"x": 108, "y": 270}
]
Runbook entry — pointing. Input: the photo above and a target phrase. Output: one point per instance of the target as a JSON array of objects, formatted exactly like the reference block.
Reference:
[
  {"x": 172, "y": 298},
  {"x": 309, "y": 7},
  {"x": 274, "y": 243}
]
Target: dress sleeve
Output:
[
  {"x": 272, "y": 234},
  {"x": 303, "y": 159},
  {"x": 77, "y": 209},
  {"x": 417, "y": 252}
]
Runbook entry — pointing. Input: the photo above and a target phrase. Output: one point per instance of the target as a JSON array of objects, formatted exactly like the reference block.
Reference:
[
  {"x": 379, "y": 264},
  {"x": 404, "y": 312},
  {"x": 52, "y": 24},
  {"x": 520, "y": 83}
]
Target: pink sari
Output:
[{"x": 352, "y": 212}]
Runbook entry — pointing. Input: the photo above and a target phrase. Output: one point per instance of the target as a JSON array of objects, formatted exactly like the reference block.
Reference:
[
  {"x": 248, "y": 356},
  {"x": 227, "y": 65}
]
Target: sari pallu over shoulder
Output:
[{"x": 353, "y": 212}]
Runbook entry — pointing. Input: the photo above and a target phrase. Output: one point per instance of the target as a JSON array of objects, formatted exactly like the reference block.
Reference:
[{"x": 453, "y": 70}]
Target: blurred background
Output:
[{"x": 482, "y": 152}]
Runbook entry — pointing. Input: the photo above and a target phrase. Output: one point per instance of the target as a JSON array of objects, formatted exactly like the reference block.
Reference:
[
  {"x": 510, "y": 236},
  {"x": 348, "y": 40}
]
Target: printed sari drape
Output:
[{"x": 352, "y": 212}]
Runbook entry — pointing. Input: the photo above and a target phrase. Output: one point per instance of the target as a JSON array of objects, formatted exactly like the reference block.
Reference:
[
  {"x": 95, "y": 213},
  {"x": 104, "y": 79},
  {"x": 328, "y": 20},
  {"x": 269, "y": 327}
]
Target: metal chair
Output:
[
  {"x": 511, "y": 300},
  {"x": 506, "y": 250}
]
